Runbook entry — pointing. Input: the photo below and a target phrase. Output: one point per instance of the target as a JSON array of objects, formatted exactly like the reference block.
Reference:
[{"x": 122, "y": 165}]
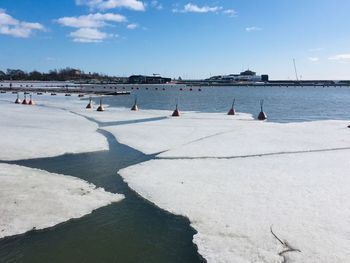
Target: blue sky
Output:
[{"x": 191, "y": 39}]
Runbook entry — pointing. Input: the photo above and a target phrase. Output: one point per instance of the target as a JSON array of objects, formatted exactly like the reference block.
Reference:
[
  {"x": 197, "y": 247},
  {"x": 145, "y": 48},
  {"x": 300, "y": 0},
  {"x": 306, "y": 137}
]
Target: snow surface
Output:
[
  {"x": 35, "y": 199},
  {"x": 169, "y": 133},
  {"x": 36, "y": 131},
  {"x": 254, "y": 138},
  {"x": 235, "y": 178},
  {"x": 233, "y": 202}
]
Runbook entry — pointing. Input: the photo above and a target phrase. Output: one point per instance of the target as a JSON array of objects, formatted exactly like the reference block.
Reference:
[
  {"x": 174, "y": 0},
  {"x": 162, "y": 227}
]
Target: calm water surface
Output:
[{"x": 282, "y": 104}]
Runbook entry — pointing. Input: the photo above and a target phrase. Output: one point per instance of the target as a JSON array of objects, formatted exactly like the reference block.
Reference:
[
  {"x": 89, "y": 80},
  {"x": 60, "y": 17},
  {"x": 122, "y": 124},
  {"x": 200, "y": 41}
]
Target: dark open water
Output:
[{"x": 135, "y": 230}]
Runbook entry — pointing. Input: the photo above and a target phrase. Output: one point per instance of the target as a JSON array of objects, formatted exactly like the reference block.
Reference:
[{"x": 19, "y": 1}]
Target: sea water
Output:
[{"x": 282, "y": 104}]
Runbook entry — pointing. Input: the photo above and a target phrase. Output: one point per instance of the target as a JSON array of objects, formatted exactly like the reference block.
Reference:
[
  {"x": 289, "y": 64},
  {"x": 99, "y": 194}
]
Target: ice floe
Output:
[
  {"x": 232, "y": 203},
  {"x": 236, "y": 178},
  {"x": 152, "y": 137},
  {"x": 35, "y": 199},
  {"x": 39, "y": 131}
]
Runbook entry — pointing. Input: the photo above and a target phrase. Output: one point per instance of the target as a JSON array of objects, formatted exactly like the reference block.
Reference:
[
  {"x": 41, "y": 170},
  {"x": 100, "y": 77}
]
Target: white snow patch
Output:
[
  {"x": 31, "y": 198},
  {"x": 36, "y": 131},
  {"x": 233, "y": 202},
  {"x": 163, "y": 135},
  {"x": 254, "y": 138}
]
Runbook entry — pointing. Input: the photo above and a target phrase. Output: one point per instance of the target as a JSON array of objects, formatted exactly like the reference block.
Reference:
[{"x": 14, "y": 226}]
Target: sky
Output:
[{"x": 192, "y": 39}]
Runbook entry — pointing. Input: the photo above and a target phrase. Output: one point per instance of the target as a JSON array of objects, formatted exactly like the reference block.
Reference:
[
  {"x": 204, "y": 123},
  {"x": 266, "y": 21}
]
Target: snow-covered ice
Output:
[
  {"x": 35, "y": 199},
  {"x": 36, "y": 131},
  {"x": 235, "y": 178},
  {"x": 170, "y": 133},
  {"x": 233, "y": 202},
  {"x": 254, "y": 138}
]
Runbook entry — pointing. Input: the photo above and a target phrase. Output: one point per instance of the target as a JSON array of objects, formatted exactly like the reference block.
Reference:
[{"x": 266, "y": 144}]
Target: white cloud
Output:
[
  {"x": 132, "y": 26},
  {"x": 110, "y": 4},
  {"x": 313, "y": 59},
  {"x": 91, "y": 20},
  {"x": 341, "y": 57},
  {"x": 253, "y": 28},
  {"x": 89, "y": 26},
  {"x": 192, "y": 8},
  {"x": 13, "y": 27},
  {"x": 88, "y": 35},
  {"x": 230, "y": 12}
]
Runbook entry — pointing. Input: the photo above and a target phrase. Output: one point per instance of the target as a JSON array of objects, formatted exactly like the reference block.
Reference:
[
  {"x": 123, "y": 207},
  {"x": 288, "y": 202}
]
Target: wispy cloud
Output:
[
  {"x": 253, "y": 28},
  {"x": 111, "y": 4},
  {"x": 230, "y": 12},
  {"x": 91, "y": 20},
  {"x": 132, "y": 26},
  {"x": 340, "y": 57},
  {"x": 13, "y": 27},
  {"x": 89, "y": 26},
  {"x": 88, "y": 35},
  {"x": 192, "y": 8},
  {"x": 157, "y": 5},
  {"x": 313, "y": 59}
]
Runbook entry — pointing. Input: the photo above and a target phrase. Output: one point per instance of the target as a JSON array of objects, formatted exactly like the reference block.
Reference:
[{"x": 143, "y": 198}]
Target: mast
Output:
[{"x": 295, "y": 69}]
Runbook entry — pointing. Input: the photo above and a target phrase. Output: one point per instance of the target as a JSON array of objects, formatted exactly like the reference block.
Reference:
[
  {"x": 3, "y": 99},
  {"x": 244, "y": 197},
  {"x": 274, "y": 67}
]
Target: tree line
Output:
[{"x": 65, "y": 74}]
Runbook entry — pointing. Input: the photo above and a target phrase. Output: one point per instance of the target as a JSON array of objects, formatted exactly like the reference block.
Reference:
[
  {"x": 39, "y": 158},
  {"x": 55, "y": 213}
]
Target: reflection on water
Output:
[{"x": 129, "y": 231}]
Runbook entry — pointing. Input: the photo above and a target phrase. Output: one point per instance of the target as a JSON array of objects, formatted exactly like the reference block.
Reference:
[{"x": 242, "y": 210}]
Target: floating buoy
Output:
[
  {"x": 146, "y": 88},
  {"x": 134, "y": 107},
  {"x": 191, "y": 89},
  {"x": 24, "y": 102},
  {"x": 349, "y": 126},
  {"x": 262, "y": 116},
  {"x": 181, "y": 88},
  {"x": 18, "y": 101},
  {"x": 100, "y": 108},
  {"x": 176, "y": 112},
  {"x": 199, "y": 89},
  {"x": 89, "y": 106},
  {"x": 232, "y": 110},
  {"x": 31, "y": 102}
]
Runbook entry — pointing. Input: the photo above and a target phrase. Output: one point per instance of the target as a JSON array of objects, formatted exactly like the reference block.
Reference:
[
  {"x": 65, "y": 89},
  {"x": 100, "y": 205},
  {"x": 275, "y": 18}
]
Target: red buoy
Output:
[
  {"x": 25, "y": 102},
  {"x": 18, "y": 101},
  {"x": 100, "y": 108},
  {"x": 31, "y": 102},
  {"x": 89, "y": 106},
  {"x": 262, "y": 115},
  {"x": 232, "y": 110},
  {"x": 176, "y": 112}
]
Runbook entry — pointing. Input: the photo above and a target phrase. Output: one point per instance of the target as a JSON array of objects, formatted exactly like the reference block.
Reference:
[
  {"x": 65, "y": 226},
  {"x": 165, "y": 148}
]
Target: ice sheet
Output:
[
  {"x": 36, "y": 131},
  {"x": 233, "y": 202},
  {"x": 35, "y": 199},
  {"x": 254, "y": 138},
  {"x": 152, "y": 137}
]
